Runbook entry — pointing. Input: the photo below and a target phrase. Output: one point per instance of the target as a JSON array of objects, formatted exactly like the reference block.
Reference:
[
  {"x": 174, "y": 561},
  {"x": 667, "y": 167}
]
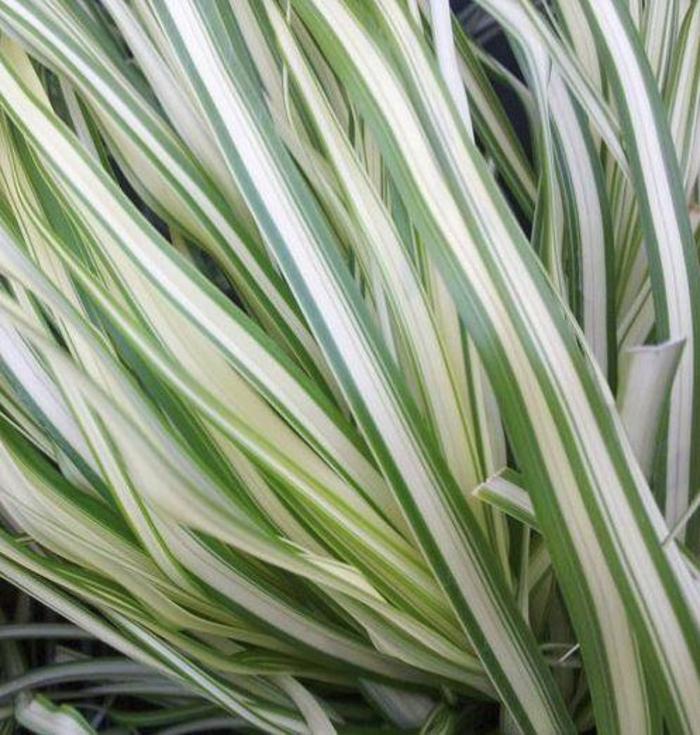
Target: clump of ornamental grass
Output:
[{"x": 331, "y": 402}]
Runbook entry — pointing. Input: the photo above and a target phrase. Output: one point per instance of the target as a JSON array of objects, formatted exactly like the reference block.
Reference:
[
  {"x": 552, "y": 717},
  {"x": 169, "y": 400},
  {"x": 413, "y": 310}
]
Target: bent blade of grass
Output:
[
  {"x": 673, "y": 261},
  {"x": 137, "y": 643}
]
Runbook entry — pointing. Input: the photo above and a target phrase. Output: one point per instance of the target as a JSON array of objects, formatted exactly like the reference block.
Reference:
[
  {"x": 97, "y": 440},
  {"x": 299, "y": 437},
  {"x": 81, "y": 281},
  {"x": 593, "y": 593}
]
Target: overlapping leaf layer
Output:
[{"x": 328, "y": 403}]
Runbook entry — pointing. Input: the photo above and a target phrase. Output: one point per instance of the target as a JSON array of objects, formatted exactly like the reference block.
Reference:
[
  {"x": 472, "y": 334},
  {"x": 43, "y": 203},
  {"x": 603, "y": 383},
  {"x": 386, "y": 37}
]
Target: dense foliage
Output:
[{"x": 328, "y": 403}]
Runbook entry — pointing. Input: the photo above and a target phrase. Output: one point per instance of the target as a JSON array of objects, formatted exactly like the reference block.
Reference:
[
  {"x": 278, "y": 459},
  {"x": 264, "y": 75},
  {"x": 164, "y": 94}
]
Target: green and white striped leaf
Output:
[
  {"x": 281, "y": 293},
  {"x": 563, "y": 363}
]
